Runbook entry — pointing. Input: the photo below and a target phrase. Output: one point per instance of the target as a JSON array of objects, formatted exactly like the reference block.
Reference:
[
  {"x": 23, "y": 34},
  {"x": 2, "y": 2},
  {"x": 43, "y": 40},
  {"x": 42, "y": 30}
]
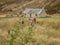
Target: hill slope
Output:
[{"x": 52, "y": 6}]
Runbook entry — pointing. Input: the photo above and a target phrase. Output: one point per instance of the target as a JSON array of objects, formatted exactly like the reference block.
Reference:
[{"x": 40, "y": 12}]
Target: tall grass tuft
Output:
[
  {"x": 14, "y": 34},
  {"x": 27, "y": 37}
]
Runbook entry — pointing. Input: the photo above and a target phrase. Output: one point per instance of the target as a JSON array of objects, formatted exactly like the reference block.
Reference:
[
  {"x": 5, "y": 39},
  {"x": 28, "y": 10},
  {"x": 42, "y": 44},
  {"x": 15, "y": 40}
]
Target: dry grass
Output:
[{"x": 46, "y": 31}]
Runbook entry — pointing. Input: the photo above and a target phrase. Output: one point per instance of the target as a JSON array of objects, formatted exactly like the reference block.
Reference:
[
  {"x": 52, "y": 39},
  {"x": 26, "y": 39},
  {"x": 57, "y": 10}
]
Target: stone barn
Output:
[{"x": 30, "y": 12}]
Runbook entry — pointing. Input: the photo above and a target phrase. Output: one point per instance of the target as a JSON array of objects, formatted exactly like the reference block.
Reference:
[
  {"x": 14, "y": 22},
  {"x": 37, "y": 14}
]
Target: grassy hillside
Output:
[
  {"x": 22, "y": 31},
  {"x": 52, "y": 6},
  {"x": 17, "y": 30}
]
